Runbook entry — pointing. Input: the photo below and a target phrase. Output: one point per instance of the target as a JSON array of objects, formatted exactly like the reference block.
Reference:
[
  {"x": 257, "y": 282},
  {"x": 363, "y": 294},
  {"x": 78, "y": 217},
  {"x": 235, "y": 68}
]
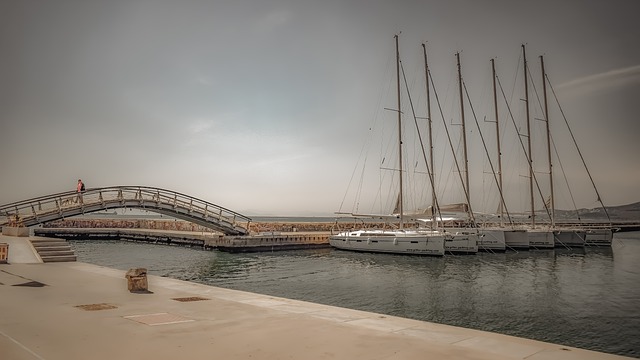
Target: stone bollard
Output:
[{"x": 137, "y": 280}]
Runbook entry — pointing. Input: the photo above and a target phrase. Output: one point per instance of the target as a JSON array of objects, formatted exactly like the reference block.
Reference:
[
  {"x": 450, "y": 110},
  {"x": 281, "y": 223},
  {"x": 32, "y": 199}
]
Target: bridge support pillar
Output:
[{"x": 15, "y": 231}]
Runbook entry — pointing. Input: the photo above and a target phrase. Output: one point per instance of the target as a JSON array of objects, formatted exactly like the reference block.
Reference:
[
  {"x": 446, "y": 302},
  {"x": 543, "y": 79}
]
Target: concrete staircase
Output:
[{"x": 53, "y": 250}]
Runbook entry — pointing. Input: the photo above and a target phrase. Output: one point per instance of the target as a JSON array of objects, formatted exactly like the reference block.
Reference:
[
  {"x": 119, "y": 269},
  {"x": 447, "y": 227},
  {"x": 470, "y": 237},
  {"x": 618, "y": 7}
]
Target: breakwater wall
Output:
[
  {"x": 180, "y": 225},
  {"x": 268, "y": 226},
  {"x": 171, "y": 225}
]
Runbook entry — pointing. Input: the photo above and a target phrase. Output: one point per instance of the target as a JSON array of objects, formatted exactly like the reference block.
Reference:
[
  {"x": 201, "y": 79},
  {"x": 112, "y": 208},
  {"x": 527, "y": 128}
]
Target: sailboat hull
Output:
[
  {"x": 570, "y": 238},
  {"x": 461, "y": 243},
  {"x": 390, "y": 242},
  {"x": 516, "y": 239},
  {"x": 540, "y": 239},
  {"x": 492, "y": 240},
  {"x": 599, "y": 237}
]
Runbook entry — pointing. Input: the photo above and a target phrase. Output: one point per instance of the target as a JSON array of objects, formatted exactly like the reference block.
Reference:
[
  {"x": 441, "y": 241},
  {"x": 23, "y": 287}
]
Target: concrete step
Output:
[
  {"x": 49, "y": 259},
  {"x": 53, "y": 248},
  {"x": 48, "y": 243},
  {"x": 46, "y": 240},
  {"x": 56, "y": 253}
]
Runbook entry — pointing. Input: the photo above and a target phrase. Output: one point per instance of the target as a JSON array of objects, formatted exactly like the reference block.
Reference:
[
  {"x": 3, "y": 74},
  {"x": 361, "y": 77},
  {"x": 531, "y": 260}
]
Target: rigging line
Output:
[
  {"x": 455, "y": 158},
  {"x": 463, "y": 132},
  {"x": 484, "y": 100},
  {"x": 415, "y": 80},
  {"x": 366, "y": 145},
  {"x": 363, "y": 159},
  {"x": 515, "y": 78},
  {"x": 356, "y": 204},
  {"x": 450, "y": 84},
  {"x": 535, "y": 179},
  {"x": 575, "y": 207},
  {"x": 431, "y": 137},
  {"x": 578, "y": 148},
  {"x": 535, "y": 90},
  {"x": 415, "y": 119},
  {"x": 383, "y": 90},
  {"x": 484, "y": 144}
]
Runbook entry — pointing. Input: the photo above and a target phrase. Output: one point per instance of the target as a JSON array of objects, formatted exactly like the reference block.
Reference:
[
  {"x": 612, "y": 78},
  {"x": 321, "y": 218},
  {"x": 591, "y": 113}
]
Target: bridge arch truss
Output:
[{"x": 67, "y": 204}]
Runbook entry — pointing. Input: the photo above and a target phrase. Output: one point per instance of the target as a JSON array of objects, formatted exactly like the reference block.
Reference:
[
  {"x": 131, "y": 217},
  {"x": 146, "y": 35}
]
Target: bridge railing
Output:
[{"x": 37, "y": 210}]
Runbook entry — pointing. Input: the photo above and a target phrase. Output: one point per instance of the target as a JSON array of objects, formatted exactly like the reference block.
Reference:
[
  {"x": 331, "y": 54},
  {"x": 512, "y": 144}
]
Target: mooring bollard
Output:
[{"x": 137, "y": 280}]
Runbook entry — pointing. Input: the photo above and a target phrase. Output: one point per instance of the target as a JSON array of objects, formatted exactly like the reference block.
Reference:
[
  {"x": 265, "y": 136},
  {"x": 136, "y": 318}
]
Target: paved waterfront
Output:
[
  {"x": 45, "y": 323},
  {"x": 586, "y": 298}
]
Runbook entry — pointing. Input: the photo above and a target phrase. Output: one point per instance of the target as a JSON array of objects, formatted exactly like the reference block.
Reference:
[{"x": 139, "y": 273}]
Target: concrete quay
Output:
[{"x": 76, "y": 310}]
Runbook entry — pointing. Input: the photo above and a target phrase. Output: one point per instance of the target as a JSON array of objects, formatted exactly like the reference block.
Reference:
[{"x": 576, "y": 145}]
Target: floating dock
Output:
[
  {"x": 266, "y": 241},
  {"x": 274, "y": 241}
]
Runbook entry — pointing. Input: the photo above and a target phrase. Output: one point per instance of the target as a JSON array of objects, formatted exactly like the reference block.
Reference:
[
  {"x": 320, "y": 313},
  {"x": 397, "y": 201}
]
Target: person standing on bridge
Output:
[{"x": 80, "y": 190}]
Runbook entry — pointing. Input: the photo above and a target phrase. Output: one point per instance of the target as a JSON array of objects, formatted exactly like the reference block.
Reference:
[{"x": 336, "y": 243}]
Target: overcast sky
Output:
[{"x": 264, "y": 106}]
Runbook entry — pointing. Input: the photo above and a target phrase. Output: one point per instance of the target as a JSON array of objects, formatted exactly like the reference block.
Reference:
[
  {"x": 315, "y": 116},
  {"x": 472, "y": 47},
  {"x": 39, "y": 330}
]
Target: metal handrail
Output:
[{"x": 102, "y": 198}]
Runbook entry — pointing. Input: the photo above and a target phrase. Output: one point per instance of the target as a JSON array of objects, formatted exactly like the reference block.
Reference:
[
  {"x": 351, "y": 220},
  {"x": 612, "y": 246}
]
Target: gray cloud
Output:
[
  {"x": 607, "y": 81},
  {"x": 264, "y": 105}
]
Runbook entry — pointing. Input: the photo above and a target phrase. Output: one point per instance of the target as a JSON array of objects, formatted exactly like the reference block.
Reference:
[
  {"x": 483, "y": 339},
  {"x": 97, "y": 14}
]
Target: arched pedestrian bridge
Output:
[{"x": 62, "y": 205}]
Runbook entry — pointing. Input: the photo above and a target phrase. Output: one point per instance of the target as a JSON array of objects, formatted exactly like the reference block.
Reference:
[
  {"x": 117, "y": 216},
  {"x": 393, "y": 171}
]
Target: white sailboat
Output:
[
  {"x": 576, "y": 235},
  {"x": 550, "y": 234},
  {"x": 471, "y": 244},
  {"x": 500, "y": 237},
  {"x": 391, "y": 241},
  {"x": 562, "y": 237},
  {"x": 400, "y": 240},
  {"x": 467, "y": 239},
  {"x": 539, "y": 236},
  {"x": 496, "y": 237}
]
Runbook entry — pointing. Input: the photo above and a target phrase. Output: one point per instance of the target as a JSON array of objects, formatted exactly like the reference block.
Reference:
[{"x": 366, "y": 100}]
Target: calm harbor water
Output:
[{"x": 587, "y": 298}]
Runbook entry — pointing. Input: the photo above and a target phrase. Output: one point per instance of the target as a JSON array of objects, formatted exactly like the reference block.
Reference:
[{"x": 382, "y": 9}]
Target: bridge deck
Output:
[{"x": 62, "y": 205}]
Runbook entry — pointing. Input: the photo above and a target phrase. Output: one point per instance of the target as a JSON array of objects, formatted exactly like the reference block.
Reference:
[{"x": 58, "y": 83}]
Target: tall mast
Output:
[
  {"x": 430, "y": 122},
  {"x": 546, "y": 118},
  {"x": 400, "y": 207},
  {"x": 529, "y": 155},
  {"x": 495, "y": 105},
  {"x": 464, "y": 138}
]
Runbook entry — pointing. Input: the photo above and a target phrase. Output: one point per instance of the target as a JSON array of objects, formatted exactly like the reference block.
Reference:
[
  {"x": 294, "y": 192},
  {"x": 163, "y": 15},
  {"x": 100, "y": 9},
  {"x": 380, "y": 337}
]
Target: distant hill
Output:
[{"x": 628, "y": 212}]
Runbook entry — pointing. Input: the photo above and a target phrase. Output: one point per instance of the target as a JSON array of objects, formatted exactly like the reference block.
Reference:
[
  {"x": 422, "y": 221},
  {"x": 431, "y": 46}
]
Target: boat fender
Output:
[{"x": 395, "y": 241}]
